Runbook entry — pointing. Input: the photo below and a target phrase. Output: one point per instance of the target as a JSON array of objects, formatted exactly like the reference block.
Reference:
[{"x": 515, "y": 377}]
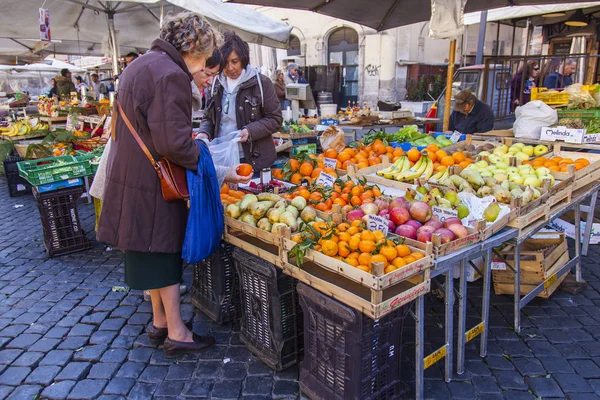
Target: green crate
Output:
[
  {"x": 584, "y": 115},
  {"x": 46, "y": 170},
  {"x": 304, "y": 148}
]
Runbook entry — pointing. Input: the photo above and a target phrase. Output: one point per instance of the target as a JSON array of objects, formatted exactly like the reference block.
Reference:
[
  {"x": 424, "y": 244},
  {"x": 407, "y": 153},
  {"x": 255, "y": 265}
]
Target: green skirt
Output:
[{"x": 147, "y": 271}]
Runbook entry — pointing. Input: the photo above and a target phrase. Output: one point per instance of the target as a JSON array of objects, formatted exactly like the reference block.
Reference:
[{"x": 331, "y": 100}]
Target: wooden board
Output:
[
  {"x": 439, "y": 249},
  {"x": 562, "y": 198},
  {"x": 499, "y": 224},
  {"x": 537, "y": 215},
  {"x": 285, "y": 146},
  {"x": 535, "y": 265}
]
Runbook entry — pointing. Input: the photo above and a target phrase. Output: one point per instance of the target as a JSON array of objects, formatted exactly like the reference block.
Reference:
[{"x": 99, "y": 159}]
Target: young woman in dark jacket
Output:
[{"x": 241, "y": 98}]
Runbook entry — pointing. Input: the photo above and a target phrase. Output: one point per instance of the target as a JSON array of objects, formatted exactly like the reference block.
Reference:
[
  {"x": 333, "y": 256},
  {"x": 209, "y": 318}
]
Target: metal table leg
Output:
[
  {"x": 589, "y": 221},
  {"x": 517, "y": 268},
  {"x": 485, "y": 311},
  {"x": 419, "y": 346},
  {"x": 578, "y": 239},
  {"x": 462, "y": 318},
  {"x": 449, "y": 321}
]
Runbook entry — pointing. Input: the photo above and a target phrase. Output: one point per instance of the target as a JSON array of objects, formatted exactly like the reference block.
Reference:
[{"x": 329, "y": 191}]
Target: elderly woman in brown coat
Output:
[{"x": 156, "y": 96}]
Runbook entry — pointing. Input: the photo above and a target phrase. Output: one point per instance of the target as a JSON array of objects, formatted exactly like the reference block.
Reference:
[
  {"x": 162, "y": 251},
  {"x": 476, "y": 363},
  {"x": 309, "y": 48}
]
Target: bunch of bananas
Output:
[
  {"x": 22, "y": 128},
  {"x": 403, "y": 172}
]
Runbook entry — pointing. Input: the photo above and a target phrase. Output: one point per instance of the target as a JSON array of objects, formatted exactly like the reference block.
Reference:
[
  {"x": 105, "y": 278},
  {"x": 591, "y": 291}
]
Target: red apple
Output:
[
  {"x": 399, "y": 215},
  {"x": 435, "y": 223},
  {"x": 407, "y": 231},
  {"x": 452, "y": 221},
  {"x": 459, "y": 230},
  {"x": 446, "y": 235},
  {"x": 420, "y": 211}
]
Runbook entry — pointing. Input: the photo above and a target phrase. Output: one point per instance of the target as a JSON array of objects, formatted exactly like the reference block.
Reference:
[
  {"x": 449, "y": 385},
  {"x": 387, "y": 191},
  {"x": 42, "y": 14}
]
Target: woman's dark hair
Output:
[
  {"x": 216, "y": 60},
  {"x": 79, "y": 78},
  {"x": 234, "y": 43}
]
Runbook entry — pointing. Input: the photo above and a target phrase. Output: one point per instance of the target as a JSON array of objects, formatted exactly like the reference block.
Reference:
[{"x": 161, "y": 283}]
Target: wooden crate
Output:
[
  {"x": 460, "y": 146},
  {"x": 263, "y": 244},
  {"x": 489, "y": 230},
  {"x": 585, "y": 175},
  {"x": 537, "y": 215},
  {"x": 541, "y": 258},
  {"x": 561, "y": 198},
  {"x": 440, "y": 249}
]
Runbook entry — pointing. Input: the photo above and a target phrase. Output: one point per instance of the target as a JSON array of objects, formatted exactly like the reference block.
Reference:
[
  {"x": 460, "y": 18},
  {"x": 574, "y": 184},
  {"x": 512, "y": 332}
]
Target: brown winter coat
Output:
[
  {"x": 156, "y": 96},
  {"x": 280, "y": 89},
  {"x": 64, "y": 86},
  {"x": 259, "y": 113}
]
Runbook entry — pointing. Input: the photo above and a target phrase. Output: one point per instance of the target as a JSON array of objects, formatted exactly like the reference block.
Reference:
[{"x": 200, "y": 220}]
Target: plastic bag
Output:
[
  {"x": 225, "y": 150},
  {"x": 205, "y": 219},
  {"x": 447, "y": 19},
  {"x": 532, "y": 117},
  {"x": 579, "y": 98}
]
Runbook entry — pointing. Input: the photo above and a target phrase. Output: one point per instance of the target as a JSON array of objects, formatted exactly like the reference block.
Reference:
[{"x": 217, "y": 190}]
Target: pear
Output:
[
  {"x": 491, "y": 212},
  {"x": 452, "y": 197},
  {"x": 463, "y": 211}
]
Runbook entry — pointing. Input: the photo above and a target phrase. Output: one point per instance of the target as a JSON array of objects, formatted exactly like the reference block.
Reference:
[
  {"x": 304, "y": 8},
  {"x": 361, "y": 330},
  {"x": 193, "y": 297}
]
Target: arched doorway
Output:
[
  {"x": 294, "y": 46},
  {"x": 342, "y": 50}
]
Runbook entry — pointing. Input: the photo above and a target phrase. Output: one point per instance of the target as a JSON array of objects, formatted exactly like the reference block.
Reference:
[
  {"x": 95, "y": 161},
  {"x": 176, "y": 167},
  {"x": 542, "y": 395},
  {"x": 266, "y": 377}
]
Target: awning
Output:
[{"x": 513, "y": 13}]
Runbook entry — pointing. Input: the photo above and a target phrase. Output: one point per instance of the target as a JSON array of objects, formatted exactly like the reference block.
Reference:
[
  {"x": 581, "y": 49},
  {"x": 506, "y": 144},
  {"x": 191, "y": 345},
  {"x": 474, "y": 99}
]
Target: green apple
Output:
[
  {"x": 542, "y": 171},
  {"x": 522, "y": 156},
  {"x": 486, "y": 173},
  {"x": 518, "y": 145},
  {"x": 512, "y": 170},
  {"x": 502, "y": 149},
  {"x": 532, "y": 181},
  {"x": 516, "y": 178},
  {"x": 481, "y": 163},
  {"x": 484, "y": 153},
  {"x": 524, "y": 167},
  {"x": 501, "y": 165},
  {"x": 494, "y": 158},
  {"x": 500, "y": 176},
  {"x": 514, "y": 149},
  {"x": 540, "y": 149},
  {"x": 528, "y": 150}
]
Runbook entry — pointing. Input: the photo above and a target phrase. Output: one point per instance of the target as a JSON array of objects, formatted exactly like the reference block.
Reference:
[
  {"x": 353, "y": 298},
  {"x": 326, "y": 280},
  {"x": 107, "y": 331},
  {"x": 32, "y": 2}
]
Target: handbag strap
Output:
[{"x": 139, "y": 140}]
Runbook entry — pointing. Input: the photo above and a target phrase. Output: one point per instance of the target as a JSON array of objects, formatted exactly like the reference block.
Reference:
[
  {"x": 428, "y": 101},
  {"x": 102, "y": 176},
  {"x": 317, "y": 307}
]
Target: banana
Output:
[
  {"x": 428, "y": 170},
  {"x": 403, "y": 167},
  {"x": 416, "y": 171},
  {"x": 390, "y": 169}
]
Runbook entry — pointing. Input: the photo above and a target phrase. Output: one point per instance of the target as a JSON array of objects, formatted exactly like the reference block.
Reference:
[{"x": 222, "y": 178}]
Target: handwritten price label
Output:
[
  {"x": 455, "y": 136},
  {"x": 330, "y": 162},
  {"x": 443, "y": 213},
  {"x": 325, "y": 180},
  {"x": 377, "y": 223}
]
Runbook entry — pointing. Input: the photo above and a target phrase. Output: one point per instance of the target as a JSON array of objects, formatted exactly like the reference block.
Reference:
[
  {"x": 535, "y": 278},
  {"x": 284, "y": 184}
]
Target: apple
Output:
[
  {"x": 486, "y": 173},
  {"x": 542, "y": 171},
  {"x": 518, "y": 145},
  {"x": 512, "y": 170},
  {"x": 532, "y": 181},
  {"x": 522, "y": 156},
  {"x": 484, "y": 153},
  {"x": 528, "y": 150},
  {"x": 494, "y": 159},
  {"x": 500, "y": 177},
  {"x": 501, "y": 165},
  {"x": 516, "y": 178},
  {"x": 540, "y": 149},
  {"x": 502, "y": 149},
  {"x": 482, "y": 164}
]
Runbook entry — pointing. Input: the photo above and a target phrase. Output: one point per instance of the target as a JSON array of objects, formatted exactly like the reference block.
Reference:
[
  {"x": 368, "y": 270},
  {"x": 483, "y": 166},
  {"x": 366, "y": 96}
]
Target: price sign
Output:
[
  {"x": 443, "y": 213},
  {"x": 330, "y": 162},
  {"x": 33, "y": 122},
  {"x": 455, "y": 136},
  {"x": 325, "y": 180},
  {"x": 377, "y": 223},
  {"x": 562, "y": 133},
  {"x": 591, "y": 137},
  {"x": 498, "y": 266}
]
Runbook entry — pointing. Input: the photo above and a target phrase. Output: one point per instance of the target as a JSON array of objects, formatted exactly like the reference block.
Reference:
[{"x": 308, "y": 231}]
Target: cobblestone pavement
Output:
[{"x": 65, "y": 334}]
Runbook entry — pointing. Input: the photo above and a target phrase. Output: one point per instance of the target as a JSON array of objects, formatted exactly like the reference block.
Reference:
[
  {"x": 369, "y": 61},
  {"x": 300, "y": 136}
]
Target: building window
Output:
[
  {"x": 294, "y": 46},
  {"x": 342, "y": 50}
]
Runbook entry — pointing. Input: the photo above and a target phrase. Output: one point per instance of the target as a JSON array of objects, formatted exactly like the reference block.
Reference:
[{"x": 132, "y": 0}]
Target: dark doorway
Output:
[{"x": 342, "y": 49}]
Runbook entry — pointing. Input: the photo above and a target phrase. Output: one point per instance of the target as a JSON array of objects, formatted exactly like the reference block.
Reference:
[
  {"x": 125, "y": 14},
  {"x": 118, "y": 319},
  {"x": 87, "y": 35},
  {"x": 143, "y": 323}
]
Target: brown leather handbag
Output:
[{"x": 173, "y": 180}]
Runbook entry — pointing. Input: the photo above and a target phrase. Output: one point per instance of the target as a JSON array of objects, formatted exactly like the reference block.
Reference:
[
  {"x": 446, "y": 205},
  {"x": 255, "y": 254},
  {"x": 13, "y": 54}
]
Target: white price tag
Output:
[
  {"x": 325, "y": 180},
  {"x": 330, "y": 162},
  {"x": 33, "y": 122},
  {"x": 377, "y": 223},
  {"x": 455, "y": 136},
  {"x": 562, "y": 133},
  {"x": 443, "y": 213},
  {"x": 320, "y": 128},
  {"x": 498, "y": 266}
]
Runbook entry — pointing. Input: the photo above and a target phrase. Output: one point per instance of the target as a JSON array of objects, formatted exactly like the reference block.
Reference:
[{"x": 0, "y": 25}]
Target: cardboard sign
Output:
[
  {"x": 325, "y": 180},
  {"x": 567, "y": 135},
  {"x": 498, "y": 266},
  {"x": 455, "y": 136},
  {"x": 443, "y": 213},
  {"x": 44, "y": 21},
  {"x": 377, "y": 223},
  {"x": 330, "y": 162}
]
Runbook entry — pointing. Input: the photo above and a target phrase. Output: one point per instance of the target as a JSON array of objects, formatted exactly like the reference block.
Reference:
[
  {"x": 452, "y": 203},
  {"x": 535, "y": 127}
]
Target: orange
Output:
[
  {"x": 464, "y": 164},
  {"x": 380, "y": 258},
  {"x": 458, "y": 156},
  {"x": 296, "y": 179},
  {"x": 379, "y": 148},
  {"x": 321, "y": 227},
  {"x": 403, "y": 250},
  {"x": 297, "y": 238},
  {"x": 584, "y": 161},
  {"x": 579, "y": 165},
  {"x": 389, "y": 268},
  {"x": 389, "y": 149},
  {"x": 353, "y": 230},
  {"x": 431, "y": 155},
  {"x": 224, "y": 189},
  {"x": 378, "y": 235},
  {"x": 362, "y": 165},
  {"x": 331, "y": 171},
  {"x": 343, "y": 249},
  {"x": 565, "y": 161},
  {"x": 417, "y": 255},
  {"x": 409, "y": 259},
  {"x": 329, "y": 248},
  {"x": 398, "y": 262},
  {"x": 244, "y": 169},
  {"x": 554, "y": 168},
  {"x": 447, "y": 161},
  {"x": 345, "y": 236},
  {"x": 366, "y": 246},
  {"x": 374, "y": 160},
  {"x": 306, "y": 168},
  {"x": 344, "y": 156},
  {"x": 368, "y": 235},
  {"x": 364, "y": 259},
  {"x": 556, "y": 159},
  {"x": 294, "y": 164},
  {"x": 433, "y": 147},
  {"x": 354, "y": 243},
  {"x": 343, "y": 227},
  {"x": 352, "y": 261},
  {"x": 440, "y": 154},
  {"x": 358, "y": 223},
  {"x": 376, "y": 191},
  {"x": 365, "y": 268},
  {"x": 563, "y": 167},
  {"x": 413, "y": 154},
  {"x": 388, "y": 252},
  {"x": 549, "y": 163},
  {"x": 331, "y": 153},
  {"x": 354, "y": 255},
  {"x": 440, "y": 168}
]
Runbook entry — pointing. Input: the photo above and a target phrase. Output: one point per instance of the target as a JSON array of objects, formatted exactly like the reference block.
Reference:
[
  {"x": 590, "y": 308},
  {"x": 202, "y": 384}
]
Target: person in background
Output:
[
  {"x": 279, "y": 84},
  {"x": 130, "y": 57},
  {"x": 53, "y": 91},
  {"x": 292, "y": 74},
  {"x": 241, "y": 98},
  {"x": 301, "y": 77},
  {"x": 79, "y": 83},
  {"x": 563, "y": 77},
  {"x": 99, "y": 87},
  {"x": 523, "y": 82},
  {"x": 64, "y": 84},
  {"x": 470, "y": 115},
  {"x": 111, "y": 83}
]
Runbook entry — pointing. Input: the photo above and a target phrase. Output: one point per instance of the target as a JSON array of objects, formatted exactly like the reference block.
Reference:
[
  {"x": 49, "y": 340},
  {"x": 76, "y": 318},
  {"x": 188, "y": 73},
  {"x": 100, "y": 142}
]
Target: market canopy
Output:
[
  {"x": 81, "y": 27},
  {"x": 384, "y": 14},
  {"x": 521, "y": 12}
]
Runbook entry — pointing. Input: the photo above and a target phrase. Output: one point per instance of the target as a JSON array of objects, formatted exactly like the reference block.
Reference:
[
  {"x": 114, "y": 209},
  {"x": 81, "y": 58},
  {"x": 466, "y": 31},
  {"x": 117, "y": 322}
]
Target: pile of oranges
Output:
[
  {"x": 230, "y": 196},
  {"x": 557, "y": 163},
  {"x": 442, "y": 160},
  {"x": 347, "y": 195},
  {"x": 353, "y": 244},
  {"x": 364, "y": 156},
  {"x": 304, "y": 167}
]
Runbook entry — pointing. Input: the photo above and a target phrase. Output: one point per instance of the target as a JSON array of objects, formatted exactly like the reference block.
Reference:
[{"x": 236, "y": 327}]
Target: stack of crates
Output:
[{"x": 17, "y": 186}]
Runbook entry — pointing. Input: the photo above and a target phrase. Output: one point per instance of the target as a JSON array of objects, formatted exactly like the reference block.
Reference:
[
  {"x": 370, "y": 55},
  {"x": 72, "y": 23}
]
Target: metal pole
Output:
[
  {"x": 114, "y": 44},
  {"x": 481, "y": 37},
  {"x": 517, "y": 267},
  {"x": 577, "y": 241},
  {"x": 462, "y": 317},
  {"x": 529, "y": 29},
  {"x": 449, "y": 322},
  {"x": 512, "y": 46},
  {"x": 449, "y": 78},
  {"x": 485, "y": 312},
  {"x": 419, "y": 343}
]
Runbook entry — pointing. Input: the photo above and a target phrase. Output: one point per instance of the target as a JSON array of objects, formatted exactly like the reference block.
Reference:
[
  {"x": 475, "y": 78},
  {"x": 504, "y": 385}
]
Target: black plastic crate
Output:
[
  {"x": 63, "y": 233},
  {"x": 349, "y": 355},
  {"x": 17, "y": 186},
  {"x": 215, "y": 289},
  {"x": 271, "y": 324}
]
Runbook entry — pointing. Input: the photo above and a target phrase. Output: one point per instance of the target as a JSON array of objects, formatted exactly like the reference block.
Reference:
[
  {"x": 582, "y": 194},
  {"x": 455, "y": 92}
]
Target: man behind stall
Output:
[{"x": 470, "y": 115}]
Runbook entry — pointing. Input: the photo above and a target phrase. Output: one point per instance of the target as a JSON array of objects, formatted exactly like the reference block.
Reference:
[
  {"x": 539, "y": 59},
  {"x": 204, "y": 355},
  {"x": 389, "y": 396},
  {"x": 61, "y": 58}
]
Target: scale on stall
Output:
[{"x": 297, "y": 92}]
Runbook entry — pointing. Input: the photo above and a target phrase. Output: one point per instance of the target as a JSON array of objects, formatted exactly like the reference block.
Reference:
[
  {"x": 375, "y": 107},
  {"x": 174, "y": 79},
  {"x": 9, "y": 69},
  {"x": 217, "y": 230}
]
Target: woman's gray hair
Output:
[{"x": 190, "y": 33}]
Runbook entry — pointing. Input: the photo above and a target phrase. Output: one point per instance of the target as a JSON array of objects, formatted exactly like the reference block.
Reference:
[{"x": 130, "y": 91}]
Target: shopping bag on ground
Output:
[
  {"x": 205, "y": 219},
  {"x": 225, "y": 150}
]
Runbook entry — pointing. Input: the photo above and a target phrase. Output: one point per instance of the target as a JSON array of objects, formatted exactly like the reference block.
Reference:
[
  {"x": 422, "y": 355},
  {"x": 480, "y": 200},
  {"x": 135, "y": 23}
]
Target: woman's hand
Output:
[
  {"x": 200, "y": 136},
  {"x": 233, "y": 177},
  {"x": 244, "y": 135}
]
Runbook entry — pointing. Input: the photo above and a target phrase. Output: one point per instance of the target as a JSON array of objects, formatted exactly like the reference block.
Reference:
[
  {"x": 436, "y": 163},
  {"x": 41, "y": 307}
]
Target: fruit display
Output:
[
  {"x": 22, "y": 128},
  {"x": 353, "y": 244},
  {"x": 557, "y": 163},
  {"x": 520, "y": 151},
  {"x": 229, "y": 196},
  {"x": 305, "y": 167},
  {"x": 293, "y": 126},
  {"x": 344, "y": 193},
  {"x": 435, "y": 197},
  {"x": 272, "y": 186}
]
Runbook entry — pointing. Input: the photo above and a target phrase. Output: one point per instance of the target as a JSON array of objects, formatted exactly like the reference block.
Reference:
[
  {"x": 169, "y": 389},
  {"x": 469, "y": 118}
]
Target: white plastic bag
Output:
[
  {"x": 532, "y": 117},
  {"x": 447, "y": 19},
  {"x": 225, "y": 150}
]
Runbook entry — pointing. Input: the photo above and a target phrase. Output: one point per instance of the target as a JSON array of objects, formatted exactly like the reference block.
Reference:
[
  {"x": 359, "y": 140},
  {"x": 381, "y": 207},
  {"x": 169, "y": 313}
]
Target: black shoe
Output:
[
  {"x": 173, "y": 348},
  {"x": 157, "y": 336}
]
